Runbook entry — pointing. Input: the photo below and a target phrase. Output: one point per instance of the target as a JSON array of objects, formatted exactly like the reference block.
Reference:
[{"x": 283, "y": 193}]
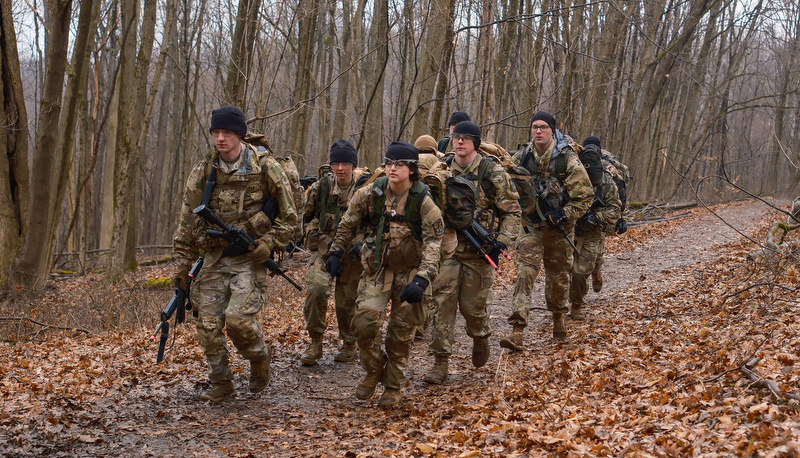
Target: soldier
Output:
[
  {"x": 621, "y": 176},
  {"x": 564, "y": 193},
  {"x": 400, "y": 257},
  {"x": 465, "y": 279},
  {"x": 230, "y": 289},
  {"x": 590, "y": 228},
  {"x": 445, "y": 145},
  {"x": 326, "y": 202}
]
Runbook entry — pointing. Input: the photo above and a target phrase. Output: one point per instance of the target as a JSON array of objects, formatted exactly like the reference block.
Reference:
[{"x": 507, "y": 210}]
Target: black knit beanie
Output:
[
  {"x": 343, "y": 151},
  {"x": 404, "y": 151},
  {"x": 592, "y": 140},
  {"x": 471, "y": 129},
  {"x": 546, "y": 117},
  {"x": 229, "y": 118},
  {"x": 457, "y": 117}
]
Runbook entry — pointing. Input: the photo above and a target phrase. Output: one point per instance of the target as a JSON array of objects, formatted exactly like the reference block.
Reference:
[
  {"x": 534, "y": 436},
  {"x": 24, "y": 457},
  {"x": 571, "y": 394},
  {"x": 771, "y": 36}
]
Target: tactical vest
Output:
[
  {"x": 412, "y": 216},
  {"x": 328, "y": 210},
  {"x": 544, "y": 192},
  {"x": 481, "y": 178},
  {"x": 240, "y": 195}
]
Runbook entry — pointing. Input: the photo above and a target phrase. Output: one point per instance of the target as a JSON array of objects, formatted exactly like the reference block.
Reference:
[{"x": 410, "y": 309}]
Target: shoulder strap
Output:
[{"x": 212, "y": 180}]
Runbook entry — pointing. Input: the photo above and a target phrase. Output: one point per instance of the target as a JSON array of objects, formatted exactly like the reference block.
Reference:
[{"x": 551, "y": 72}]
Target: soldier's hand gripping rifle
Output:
[
  {"x": 481, "y": 239},
  {"x": 176, "y": 306},
  {"x": 239, "y": 242},
  {"x": 541, "y": 194}
]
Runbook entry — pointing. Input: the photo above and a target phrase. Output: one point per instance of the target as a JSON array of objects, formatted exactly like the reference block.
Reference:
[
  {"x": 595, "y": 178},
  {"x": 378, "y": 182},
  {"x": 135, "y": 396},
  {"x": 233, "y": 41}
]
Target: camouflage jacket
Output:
[
  {"x": 605, "y": 204},
  {"x": 495, "y": 191},
  {"x": 236, "y": 198},
  {"x": 575, "y": 189},
  {"x": 407, "y": 253},
  {"x": 321, "y": 223}
]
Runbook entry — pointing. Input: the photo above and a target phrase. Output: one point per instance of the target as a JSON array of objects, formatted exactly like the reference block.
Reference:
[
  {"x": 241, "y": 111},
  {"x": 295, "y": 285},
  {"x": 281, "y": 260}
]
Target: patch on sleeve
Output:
[{"x": 438, "y": 227}]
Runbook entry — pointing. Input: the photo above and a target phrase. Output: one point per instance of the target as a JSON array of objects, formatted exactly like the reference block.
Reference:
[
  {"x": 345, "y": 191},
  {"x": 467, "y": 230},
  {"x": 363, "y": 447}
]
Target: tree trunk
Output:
[
  {"x": 14, "y": 191},
  {"x": 370, "y": 142},
  {"x": 31, "y": 266},
  {"x": 244, "y": 38},
  {"x": 307, "y": 27}
]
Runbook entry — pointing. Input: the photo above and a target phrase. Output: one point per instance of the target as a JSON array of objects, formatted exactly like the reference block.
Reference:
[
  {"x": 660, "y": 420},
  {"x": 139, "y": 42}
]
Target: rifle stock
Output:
[{"x": 238, "y": 238}]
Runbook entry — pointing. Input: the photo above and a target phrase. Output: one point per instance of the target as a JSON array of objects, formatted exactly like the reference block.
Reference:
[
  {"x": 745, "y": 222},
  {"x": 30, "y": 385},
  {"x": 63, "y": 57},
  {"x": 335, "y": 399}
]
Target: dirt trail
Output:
[{"x": 310, "y": 411}]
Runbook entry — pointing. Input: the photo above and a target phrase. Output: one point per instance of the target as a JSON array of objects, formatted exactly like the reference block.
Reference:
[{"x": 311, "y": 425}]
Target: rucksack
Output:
[
  {"x": 259, "y": 141},
  {"x": 482, "y": 176},
  {"x": 620, "y": 174},
  {"x": 455, "y": 196}
]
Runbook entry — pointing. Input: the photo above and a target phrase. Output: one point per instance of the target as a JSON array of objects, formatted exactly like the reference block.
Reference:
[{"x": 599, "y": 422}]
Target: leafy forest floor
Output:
[{"x": 664, "y": 366}]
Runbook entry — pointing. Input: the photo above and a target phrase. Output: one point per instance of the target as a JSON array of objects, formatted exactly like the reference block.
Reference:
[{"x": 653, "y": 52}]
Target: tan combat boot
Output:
[
  {"x": 390, "y": 397},
  {"x": 597, "y": 281},
  {"x": 260, "y": 373},
  {"x": 314, "y": 350},
  {"x": 577, "y": 313},
  {"x": 438, "y": 373},
  {"x": 347, "y": 353},
  {"x": 480, "y": 351},
  {"x": 515, "y": 342},
  {"x": 559, "y": 328},
  {"x": 366, "y": 387},
  {"x": 218, "y": 392}
]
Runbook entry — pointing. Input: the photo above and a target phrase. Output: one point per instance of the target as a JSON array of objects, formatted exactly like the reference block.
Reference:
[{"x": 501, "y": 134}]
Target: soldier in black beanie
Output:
[
  {"x": 327, "y": 201},
  {"x": 343, "y": 151},
  {"x": 406, "y": 152},
  {"x": 455, "y": 118}
]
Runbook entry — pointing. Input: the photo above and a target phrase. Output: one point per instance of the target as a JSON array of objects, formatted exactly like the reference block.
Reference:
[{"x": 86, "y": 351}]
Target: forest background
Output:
[{"x": 106, "y": 103}]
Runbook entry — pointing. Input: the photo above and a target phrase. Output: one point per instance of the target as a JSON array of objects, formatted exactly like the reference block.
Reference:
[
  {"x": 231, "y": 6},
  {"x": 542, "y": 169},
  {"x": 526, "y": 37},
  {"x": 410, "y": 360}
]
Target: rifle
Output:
[
  {"x": 541, "y": 195},
  {"x": 239, "y": 242},
  {"x": 177, "y": 306},
  {"x": 481, "y": 239}
]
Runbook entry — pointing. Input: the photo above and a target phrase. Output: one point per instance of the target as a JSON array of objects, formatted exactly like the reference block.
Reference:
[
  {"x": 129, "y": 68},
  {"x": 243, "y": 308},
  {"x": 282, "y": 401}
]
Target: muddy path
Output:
[{"x": 311, "y": 410}]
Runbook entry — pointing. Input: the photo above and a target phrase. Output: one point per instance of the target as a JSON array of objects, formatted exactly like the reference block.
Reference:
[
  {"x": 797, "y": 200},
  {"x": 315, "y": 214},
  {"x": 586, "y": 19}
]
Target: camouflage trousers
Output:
[
  {"x": 404, "y": 317},
  {"x": 227, "y": 296},
  {"x": 318, "y": 290},
  {"x": 598, "y": 263},
  {"x": 464, "y": 284},
  {"x": 592, "y": 246},
  {"x": 547, "y": 244}
]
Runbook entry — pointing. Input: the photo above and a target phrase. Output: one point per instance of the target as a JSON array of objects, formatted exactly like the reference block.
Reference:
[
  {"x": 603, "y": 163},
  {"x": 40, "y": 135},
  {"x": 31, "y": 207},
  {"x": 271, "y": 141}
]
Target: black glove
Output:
[
  {"x": 589, "y": 220},
  {"x": 555, "y": 217},
  {"x": 495, "y": 252},
  {"x": 332, "y": 264},
  {"x": 621, "y": 227},
  {"x": 412, "y": 292},
  {"x": 355, "y": 250}
]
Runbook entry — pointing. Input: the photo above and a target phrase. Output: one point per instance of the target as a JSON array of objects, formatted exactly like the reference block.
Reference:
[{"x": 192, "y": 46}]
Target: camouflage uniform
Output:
[
  {"x": 320, "y": 230},
  {"x": 540, "y": 241},
  {"x": 230, "y": 291},
  {"x": 465, "y": 279},
  {"x": 591, "y": 241},
  {"x": 402, "y": 257},
  {"x": 619, "y": 171}
]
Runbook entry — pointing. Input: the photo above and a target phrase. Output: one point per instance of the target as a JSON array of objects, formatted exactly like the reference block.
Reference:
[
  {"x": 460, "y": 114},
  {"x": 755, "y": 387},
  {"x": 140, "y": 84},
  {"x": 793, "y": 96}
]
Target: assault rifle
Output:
[
  {"x": 238, "y": 242},
  {"x": 541, "y": 195},
  {"x": 479, "y": 237},
  {"x": 177, "y": 306}
]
